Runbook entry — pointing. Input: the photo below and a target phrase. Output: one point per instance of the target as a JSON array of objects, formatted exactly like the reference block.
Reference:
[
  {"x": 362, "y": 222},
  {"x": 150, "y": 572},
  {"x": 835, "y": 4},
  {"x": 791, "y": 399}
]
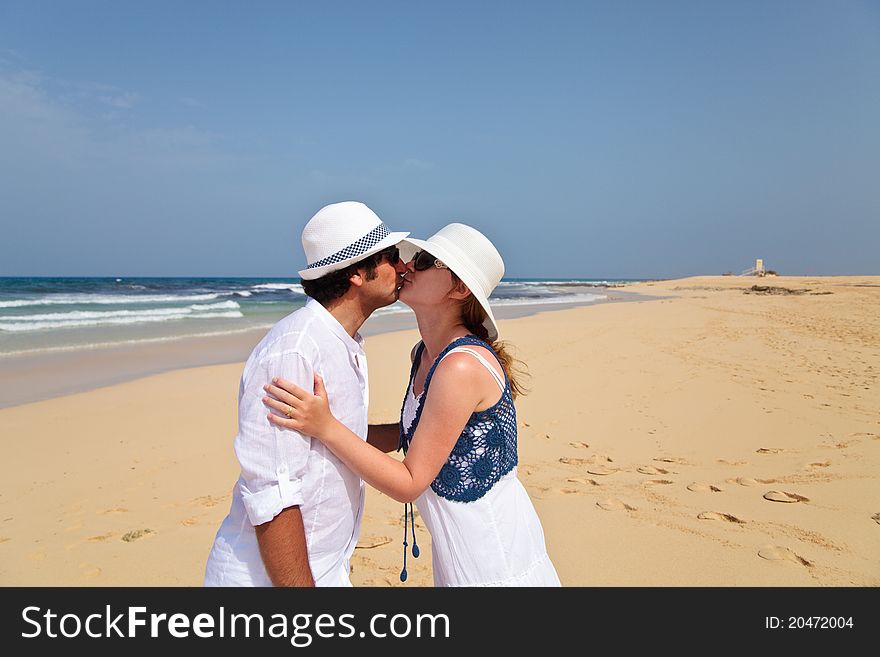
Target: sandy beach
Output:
[{"x": 717, "y": 436}]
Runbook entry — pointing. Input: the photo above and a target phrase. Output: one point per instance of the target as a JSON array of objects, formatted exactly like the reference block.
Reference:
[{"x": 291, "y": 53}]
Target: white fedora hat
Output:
[
  {"x": 340, "y": 234},
  {"x": 473, "y": 258}
]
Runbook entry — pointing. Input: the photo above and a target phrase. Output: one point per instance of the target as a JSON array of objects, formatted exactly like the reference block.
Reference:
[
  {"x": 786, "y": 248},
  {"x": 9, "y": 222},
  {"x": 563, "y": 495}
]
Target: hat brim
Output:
[
  {"x": 408, "y": 248},
  {"x": 311, "y": 274}
]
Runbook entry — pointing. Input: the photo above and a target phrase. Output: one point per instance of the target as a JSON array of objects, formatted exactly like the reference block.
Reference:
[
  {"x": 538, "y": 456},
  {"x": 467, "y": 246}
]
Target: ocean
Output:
[{"x": 39, "y": 315}]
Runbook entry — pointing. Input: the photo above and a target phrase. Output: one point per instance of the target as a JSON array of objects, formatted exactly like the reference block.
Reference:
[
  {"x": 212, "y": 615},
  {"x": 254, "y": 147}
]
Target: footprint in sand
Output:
[
  {"x": 748, "y": 481},
  {"x": 651, "y": 470},
  {"x": 726, "y": 462},
  {"x": 657, "y": 482},
  {"x": 770, "y": 450},
  {"x": 782, "y": 496},
  {"x": 3, "y": 539},
  {"x": 372, "y": 542},
  {"x": 819, "y": 464},
  {"x": 572, "y": 461},
  {"x": 671, "y": 459},
  {"x": 128, "y": 537},
  {"x": 614, "y": 504},
  {"x": 207, "y": 500},
  {"x": 780, "y": 553},
  {"x": 583, "y": 480},
  {"x": 118, "y": 509},
  {"x": 89, "y": 571},
  {"x": 100, "y": 537},
  {"x": 396, "y": 520},
  {"x": 702, "y": 487},
  {"x": 875, "y": 518},
  {"x": 189, "y": 522},
  {"x": 580, "y": 445},
  {"x": 716, "y": 515},
  {"x": 601, "y": 470}
]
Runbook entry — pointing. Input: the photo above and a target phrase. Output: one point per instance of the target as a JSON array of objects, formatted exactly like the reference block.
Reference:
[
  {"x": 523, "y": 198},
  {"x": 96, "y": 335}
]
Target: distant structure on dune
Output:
[{"x": 758, "y": 270}]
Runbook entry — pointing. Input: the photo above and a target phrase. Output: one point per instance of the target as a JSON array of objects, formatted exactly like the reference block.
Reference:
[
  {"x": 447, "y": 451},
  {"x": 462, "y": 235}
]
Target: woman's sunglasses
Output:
[{"x": 424, "y": 260}]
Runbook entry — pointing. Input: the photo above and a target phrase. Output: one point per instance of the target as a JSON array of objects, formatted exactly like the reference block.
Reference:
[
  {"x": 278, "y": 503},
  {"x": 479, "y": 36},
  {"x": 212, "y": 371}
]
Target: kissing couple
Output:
[{"x": 306, "y": 449}]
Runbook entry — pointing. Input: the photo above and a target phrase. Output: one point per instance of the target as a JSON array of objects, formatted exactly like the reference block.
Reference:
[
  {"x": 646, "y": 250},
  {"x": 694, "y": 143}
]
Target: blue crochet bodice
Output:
[{"x": 486, "y": 449}]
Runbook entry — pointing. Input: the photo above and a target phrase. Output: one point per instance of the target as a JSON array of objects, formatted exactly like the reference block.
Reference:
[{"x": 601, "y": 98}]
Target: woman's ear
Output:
[{"x": 459, "y": 291}]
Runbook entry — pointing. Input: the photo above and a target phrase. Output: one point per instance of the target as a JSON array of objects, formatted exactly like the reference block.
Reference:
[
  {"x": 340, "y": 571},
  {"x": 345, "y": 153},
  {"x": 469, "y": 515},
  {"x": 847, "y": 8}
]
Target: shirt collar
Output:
[{"x": 354, "y": 344}]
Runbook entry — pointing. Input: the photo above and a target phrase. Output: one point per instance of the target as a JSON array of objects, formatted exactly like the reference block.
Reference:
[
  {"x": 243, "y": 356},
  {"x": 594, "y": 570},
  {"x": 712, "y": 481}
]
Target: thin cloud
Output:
[
  {"x": 126, "y": 100},
  {"x": 7, "y": 55},
  {"x": 22, "y": 95},
  {"x": 413, "y": 164},
  {"x": 190, "y": 102},
  {"x": 39, "y": 127}
]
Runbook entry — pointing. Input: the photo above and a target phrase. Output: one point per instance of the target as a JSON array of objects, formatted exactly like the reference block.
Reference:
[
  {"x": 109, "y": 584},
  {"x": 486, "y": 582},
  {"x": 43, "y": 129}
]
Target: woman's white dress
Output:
[{"x": 496, "y": 540}]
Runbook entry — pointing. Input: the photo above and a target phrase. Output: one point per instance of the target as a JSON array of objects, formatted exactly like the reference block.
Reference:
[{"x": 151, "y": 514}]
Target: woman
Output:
[{"x": 458, "y": 424}]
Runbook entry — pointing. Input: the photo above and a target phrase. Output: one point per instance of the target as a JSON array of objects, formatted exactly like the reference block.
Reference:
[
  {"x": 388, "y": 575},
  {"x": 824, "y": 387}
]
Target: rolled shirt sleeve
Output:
[{"x": 272, "y": 459}]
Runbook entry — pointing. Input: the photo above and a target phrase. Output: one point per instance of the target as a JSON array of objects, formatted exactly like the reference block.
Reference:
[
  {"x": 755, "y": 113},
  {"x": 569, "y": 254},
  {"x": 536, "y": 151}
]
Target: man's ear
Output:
[{"x": 356, "y": 279}]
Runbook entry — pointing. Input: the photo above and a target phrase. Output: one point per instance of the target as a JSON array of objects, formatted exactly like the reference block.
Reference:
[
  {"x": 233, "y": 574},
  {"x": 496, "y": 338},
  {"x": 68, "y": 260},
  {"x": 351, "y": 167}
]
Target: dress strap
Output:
[
  {"x": 485, "y": 363},
  {"x": 404, "y": 439}
]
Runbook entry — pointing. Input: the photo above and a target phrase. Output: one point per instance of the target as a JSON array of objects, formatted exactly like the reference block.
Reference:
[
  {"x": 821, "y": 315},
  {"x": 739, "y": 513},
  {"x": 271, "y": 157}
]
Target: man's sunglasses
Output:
[
  {"x": 424, "y": 260},
  {"x": 392, "y": 253}
]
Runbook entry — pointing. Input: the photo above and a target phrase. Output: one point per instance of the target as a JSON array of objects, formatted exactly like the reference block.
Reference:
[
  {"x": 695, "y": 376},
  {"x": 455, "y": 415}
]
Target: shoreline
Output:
[{"x": 36, "y": 377}]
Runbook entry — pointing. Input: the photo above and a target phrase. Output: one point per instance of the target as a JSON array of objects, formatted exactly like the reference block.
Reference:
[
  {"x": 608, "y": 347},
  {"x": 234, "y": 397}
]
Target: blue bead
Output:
[
  {"x": 416, "y": 551},
  {"x": 403, "y": 575}
]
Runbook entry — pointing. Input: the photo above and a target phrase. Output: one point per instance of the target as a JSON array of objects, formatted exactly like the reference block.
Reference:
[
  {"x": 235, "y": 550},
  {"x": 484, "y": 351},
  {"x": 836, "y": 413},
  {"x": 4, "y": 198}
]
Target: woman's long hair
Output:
[{"x": 473, "y": 315}]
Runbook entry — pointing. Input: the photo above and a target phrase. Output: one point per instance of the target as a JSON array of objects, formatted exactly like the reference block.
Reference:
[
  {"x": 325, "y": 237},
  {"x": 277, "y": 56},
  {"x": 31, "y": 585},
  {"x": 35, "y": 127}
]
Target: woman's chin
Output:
[{"x": 403, "y": 292}]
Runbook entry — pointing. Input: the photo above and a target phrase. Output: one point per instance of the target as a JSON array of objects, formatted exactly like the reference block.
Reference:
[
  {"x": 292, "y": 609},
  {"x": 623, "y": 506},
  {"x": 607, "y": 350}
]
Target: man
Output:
[{"x": 296, "y": 508}]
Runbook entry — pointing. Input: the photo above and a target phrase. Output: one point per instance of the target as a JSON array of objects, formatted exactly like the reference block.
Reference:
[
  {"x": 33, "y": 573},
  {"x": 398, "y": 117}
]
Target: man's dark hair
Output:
[{"x": 333, "y": 285}]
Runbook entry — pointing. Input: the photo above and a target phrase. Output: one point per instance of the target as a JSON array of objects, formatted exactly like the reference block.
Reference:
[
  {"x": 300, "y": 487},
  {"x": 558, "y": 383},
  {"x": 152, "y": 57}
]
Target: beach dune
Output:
[{"x": 716, "y": 436}]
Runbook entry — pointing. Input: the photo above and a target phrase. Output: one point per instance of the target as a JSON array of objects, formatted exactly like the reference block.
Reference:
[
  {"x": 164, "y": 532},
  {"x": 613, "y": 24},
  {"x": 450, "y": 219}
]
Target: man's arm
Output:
[
  {"x": 283, "y": 548},
  {"x": 384, "y": 437},
  {"x": 273, "y": 463}
]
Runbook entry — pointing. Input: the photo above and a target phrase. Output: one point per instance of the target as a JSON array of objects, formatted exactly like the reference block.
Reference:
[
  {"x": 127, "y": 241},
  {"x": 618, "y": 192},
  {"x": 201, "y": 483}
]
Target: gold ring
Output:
[{"x": 289, "y": 411}]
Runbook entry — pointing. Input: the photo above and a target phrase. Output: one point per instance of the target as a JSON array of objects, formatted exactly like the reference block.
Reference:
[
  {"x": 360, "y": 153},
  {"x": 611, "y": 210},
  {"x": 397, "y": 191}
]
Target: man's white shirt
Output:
[{"x": 282, "y": 468}]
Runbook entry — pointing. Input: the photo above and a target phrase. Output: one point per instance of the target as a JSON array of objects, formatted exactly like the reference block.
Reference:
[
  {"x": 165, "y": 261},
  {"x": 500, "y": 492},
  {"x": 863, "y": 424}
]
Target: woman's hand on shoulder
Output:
[{"x": 298, "y": 409}]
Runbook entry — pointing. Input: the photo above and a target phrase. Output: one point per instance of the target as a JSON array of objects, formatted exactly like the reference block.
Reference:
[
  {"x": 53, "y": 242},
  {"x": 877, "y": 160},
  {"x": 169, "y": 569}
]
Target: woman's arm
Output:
[{"x": 455, "y": 392}]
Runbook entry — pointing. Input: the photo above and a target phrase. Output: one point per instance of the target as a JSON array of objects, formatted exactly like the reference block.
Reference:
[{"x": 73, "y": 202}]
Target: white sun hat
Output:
[
  {"x": 473, "y": 258},
  {"x": 340, "y": 234}
]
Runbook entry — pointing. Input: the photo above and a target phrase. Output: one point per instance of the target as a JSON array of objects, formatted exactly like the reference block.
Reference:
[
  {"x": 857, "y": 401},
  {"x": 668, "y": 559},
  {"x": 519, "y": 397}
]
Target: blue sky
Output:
[{"x": 586, "y": 139}]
